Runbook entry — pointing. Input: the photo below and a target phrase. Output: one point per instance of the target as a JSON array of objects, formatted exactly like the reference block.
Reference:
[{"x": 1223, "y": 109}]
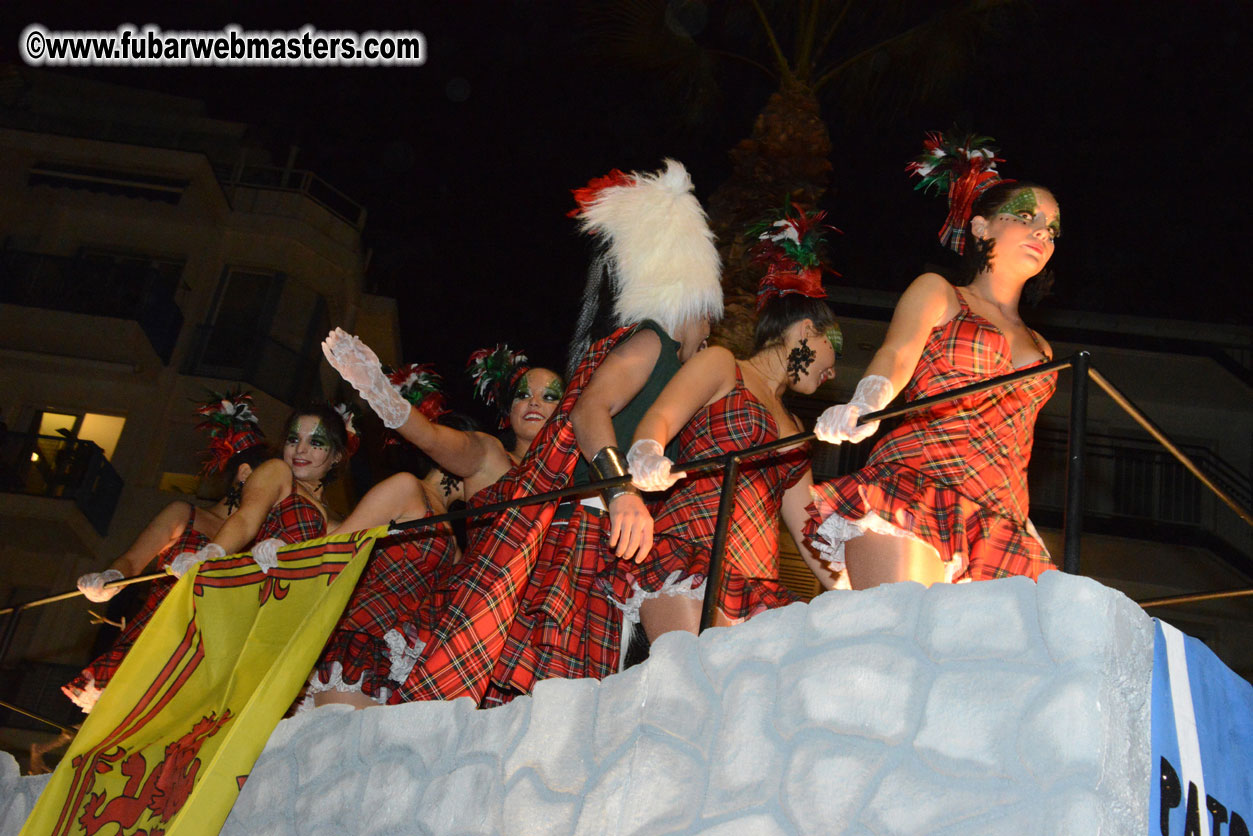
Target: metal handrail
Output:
[{"x": 729, "y": 462}]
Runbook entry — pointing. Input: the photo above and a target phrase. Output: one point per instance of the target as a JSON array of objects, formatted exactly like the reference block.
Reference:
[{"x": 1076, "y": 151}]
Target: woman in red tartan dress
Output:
[
  {"x": 236, "y": 447},
  {"x": 944, "y": 494},
  {"x": 718, "y": 405}
]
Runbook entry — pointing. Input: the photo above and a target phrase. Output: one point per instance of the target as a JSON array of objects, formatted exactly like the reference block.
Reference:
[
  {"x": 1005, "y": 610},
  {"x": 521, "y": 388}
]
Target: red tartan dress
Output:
[
  {"x": 566, "y": 625},
  {"x": 377, "y": 640},
  {"x": 954, "y": 476},
  {"x": 464, "y": 645},
  {"x": 84, "y": 689},
  {"x": 293, "y": 519},
  {"x": 683, "y": 527}
]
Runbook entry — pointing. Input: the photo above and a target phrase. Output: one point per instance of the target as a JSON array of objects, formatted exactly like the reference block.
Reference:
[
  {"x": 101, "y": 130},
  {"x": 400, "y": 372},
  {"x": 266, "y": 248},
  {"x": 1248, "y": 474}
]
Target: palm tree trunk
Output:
[{"x": 787, "y": 158}]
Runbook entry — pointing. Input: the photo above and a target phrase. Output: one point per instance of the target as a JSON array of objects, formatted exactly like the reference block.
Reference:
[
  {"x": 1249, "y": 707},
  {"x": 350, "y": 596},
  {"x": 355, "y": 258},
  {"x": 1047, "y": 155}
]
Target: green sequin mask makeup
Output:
[
  {"x": 555, "y": 389},
  {"x": 1025, "y": 201},
  {"x": 320, "y": 436},
  {"x": 836, "y": 337}
]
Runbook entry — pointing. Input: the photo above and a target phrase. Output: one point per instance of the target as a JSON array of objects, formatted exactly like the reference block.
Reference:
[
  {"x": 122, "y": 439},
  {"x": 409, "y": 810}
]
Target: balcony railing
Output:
[
  {"x": 231, "y": 353},
  {"x": 77, "y": 285},
  {"x": 272, "y": 178},
  {"x": 61, "y": 467}
]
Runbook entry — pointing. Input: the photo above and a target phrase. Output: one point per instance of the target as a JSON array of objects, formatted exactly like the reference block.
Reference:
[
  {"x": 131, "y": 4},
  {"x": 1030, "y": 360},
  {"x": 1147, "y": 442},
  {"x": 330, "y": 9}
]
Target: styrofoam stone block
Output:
[
  {"x": 654, "y": 786},
  {"x": 531, "y": 809},
  {"x": 971, "y": 720},
  {"x": 985, "y": 620},
  {"x": 337, "y": 800},
  {"x": 619, "y": 711},
  {"x": 842, "y": 615},
  {"x": 557, "y": 740},
  {"x": 466, "y": 800},
  {"x": 392, "y": 795},
  {"x": 678, "y": 698},
  {"x": 912, "y": 800},
  {"x": 769, "y": 637},
  {"x": 828, "y": 779},
  {"x": 747, "y": 756},
  {"x": 1062, "y": 735},
  {"x": 757, "y": 824},
  {"x": 872, "y": 688}
]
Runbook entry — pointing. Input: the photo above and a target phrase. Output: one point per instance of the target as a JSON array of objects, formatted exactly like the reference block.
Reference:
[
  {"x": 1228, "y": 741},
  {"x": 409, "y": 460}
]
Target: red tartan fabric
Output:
[
  {"x": 293, "y": 519},
  {"x": 395, "y": 592},
  {"x": 687, "y": 515},
  {"x": 101, "y": 670},
  {"x": 955, "y": 476},
  {"x": 564, "y": 627},
  {"x": 463, "y": 646}
]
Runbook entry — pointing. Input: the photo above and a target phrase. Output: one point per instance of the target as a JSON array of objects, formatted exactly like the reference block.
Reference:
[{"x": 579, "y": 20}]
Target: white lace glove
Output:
[
  {"x": 265, "y": 554},
  {"x": 180, "y": 565},
  {"x": 92, "y": 585},
  {"x": 358, "y": 365},
  {"x": 839, "y": 423},
  {"x": 650, "y": 469}
]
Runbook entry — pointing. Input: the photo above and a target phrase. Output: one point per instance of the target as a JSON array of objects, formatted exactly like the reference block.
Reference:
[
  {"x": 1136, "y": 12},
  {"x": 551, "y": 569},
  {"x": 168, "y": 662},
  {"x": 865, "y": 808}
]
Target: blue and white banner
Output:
[{"x": 1202, "y": 741}]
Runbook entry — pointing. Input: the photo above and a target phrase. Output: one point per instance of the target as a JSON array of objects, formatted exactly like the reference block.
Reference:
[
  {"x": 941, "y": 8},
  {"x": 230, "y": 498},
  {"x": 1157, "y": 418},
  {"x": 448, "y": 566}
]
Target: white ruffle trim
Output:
[
  {"x": 835, "y": 531},
  {"x": 85, "y": 698},
  {"x": 675, "y": 584},
  {"x": 403, "y": 655}
]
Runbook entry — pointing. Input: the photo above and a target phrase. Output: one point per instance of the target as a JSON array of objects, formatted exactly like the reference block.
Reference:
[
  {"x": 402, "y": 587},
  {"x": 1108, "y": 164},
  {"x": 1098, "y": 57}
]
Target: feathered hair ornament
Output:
[
  {"x": 495, "y": 373},
  {"x": 789, "y": 244},
  {"x": 352, "y": 437},
  {"x": 962, "y": 167},
  {"x": 231, "y": 425},
  {"x": 422, "y": 386},
  {"x": 655, "y": 247}
]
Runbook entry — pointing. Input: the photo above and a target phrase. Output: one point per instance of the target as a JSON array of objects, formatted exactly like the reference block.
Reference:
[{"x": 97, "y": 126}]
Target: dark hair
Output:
[
  {"x": 973, "y": 259},
  {"x": 336, "y": 432},
  {"x": 781, "y": 311},
  {"x": 252, "y": 457}
]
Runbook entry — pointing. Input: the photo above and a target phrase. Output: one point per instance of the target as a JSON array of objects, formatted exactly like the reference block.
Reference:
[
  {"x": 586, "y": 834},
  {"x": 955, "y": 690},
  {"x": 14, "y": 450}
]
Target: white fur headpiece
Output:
[{"x": 659, "y": 250}]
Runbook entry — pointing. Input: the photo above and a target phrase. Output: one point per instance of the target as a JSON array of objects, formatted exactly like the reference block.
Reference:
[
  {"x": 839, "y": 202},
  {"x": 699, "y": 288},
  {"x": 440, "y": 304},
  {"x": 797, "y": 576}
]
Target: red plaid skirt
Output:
[
  {"x": 564, "y": 628},
  {"x": 684, "y": 523},
  {"x": 955, "y": 476},
  {"x": 396, "y": 592},
  {"x": 83, "y": 689}
]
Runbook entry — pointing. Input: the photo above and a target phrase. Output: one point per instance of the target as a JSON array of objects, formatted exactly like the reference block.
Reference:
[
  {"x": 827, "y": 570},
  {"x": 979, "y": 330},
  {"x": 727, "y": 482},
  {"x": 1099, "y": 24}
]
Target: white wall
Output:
[{"x": 1001, "y": 707}]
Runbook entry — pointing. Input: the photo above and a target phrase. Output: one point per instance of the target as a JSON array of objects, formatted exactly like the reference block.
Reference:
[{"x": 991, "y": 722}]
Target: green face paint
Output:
[
  {"x": 554, "y": 390},
  {"x": 523, "y": 391},
  {"x": 836, "y": 337},
  {"x": 1022, "y": 201},
  {"x": 320, "y": 437},
  {"x": 1025, "y": 207}
]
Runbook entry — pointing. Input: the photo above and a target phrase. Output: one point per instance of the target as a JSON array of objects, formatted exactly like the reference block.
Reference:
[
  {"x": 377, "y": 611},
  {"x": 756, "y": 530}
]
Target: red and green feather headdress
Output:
[
  {"x": 232, "y": 427},
  {"x": 789, "y": 244},
  {"x": 962, "y": 167},
  {"x": 495, "y": 373}
]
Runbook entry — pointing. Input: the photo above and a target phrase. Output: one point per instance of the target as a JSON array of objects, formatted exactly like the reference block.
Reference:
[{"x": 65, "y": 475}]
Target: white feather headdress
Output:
[{"x": 658, "y": 249}]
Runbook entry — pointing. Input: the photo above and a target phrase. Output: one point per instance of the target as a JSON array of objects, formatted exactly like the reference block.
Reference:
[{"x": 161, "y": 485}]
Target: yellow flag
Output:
[{"x": 172, "y": 739}]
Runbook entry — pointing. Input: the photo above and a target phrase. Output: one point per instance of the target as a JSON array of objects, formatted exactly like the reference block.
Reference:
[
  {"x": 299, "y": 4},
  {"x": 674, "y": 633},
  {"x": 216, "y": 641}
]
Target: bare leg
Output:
[
  {"x": 675, "y": 612},
  {"x": 874, "y": 559},
  {"x": 353, "y": 698},
  {"x": 670, "y": 612},
  {"x": 397, "y": 498}
]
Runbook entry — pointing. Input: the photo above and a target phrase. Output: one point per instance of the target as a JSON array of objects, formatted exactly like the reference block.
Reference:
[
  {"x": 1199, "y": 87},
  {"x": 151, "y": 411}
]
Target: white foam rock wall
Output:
[{"x": 1003, "y": 707}]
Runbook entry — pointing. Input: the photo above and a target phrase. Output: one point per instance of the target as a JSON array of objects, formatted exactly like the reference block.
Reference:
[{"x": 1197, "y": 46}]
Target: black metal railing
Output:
[
  {"x": 730, "y": 463},
  {"x": 242, "y": 354},
  {"x": 122, "y": 290},
  {"x": 61, "y": 467}
]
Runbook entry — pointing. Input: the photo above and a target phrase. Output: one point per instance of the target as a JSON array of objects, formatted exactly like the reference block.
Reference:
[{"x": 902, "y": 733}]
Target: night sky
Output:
[{"x": 1133, "y": 113}]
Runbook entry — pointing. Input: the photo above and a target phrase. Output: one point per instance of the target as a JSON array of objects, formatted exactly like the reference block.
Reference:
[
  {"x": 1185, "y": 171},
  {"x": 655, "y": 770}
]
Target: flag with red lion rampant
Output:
[{"x": 172, "y": 739}]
